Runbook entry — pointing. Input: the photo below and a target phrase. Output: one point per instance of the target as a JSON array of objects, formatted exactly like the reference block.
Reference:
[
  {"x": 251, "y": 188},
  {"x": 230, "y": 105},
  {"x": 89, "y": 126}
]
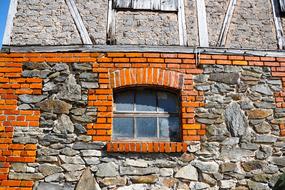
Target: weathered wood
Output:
[
  {"x": 142, "y": 5},
  {"x": 151, "y": 5},
  {"x": 126, "y": 4},
  {"x": 182, "y": 24},
  {"x": 155, "y": 4},
  {"x": 9, "y": 22},
  {"x": 140, "y": 48},
  {"x": 78, "y": 22},
  {"x": 282, "y": 5},
  {"x": 226, "y": 23},
  {"x": 111, "y": 24},
  {"x": 202, "y": 23},
  {"x": 169, "y": 5},
  {"x": 278, "y": 24}
]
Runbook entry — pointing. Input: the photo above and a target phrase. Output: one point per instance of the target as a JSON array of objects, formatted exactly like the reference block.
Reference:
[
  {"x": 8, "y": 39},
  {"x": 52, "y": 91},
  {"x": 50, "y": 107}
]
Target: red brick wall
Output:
[{"x": 131, "y": 69}]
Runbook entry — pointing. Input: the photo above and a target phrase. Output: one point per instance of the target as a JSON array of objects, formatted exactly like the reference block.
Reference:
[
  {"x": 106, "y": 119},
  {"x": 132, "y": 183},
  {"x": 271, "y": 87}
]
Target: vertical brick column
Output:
[{"x": 12, "y": 85}]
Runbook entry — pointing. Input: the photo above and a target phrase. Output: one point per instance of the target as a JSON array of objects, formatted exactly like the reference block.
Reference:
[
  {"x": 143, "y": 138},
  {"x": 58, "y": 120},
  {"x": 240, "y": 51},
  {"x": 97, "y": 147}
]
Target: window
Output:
[{"x": 146, "y": 114}]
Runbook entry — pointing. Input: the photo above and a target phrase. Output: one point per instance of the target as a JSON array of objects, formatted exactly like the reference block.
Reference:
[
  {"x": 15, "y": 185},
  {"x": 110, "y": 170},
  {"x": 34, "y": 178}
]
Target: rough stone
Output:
[
  {"x": 60, "y": 67},
  {"x": 134, "y": 187},
  {"x": 165, "y": 172},
  {"x": 263, "y": 152},
  {"x": 25, "y": 176},
  {"x": 71, "y": 160},
  {"x": 187, "y": 172},
  {"x": 34, "y": 65},
  {"x": 31, "y": 98},
  {"x": 88, "y": 146},
  {"x": 228, "y": 167},
  {"x": 259, "y": 113},
  {"x": 110, "y": 181},
  {"x": 82, "y": 66},
  {"x": 280, "y": 161},
  {"x": 96, "y": 153},
  {"x": 63, "y": 125},
  {"x": 228, "y": 78},
  {"x": 36, "y": 73},
  {"x": 69, "y": 151},
  {"x": 55, "y": 106},
  {"x": 263, "y": 89},
  {"x": 207, "y": 167},
  {"x": 91, "y": 160},
  {"x": 265, "y": 139},
  {"x": 148, "y": 179},
  {"x": 235, "y": 154},
  {"x": 79, "y": 128},
  {"x": 236, "y": 120},
  {"x": 54, "y": 177},
  {"x": 138, "y": 171},
  {"x": 72, "y": 167},
  {"x": 263, "y": 128},
  {"x": 70, "y": 90},
  {"x": 48, "y": 186},
  {"x": 257, "y": 186},
  {"x": 136, "y": 163},
  {"x": 49, "y": 169},
  {"x": 89, "y": 85},
  {"x": 87, "y": 181},
  {"x": 227, "y": 184},
  {"x": 107, "y": 170},
  {"x": 198, "y": 185},
  {"x": 208, "y": 179},
  {"x": 252, "y": 165}
]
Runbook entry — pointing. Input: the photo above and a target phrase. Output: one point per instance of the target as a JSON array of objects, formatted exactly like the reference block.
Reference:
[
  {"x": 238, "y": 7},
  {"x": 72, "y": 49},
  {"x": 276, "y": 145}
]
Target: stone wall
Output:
[
  {"x": 47, "y": 105},
  {"x": 146, "y": 28},
  {"x": 252, "y": 26},
  {"x": 216, "y": 11},
  {"x": 94, "y": 16},
  {"x": 44, "y": 22},
  {"x": 50, "y": 23}
]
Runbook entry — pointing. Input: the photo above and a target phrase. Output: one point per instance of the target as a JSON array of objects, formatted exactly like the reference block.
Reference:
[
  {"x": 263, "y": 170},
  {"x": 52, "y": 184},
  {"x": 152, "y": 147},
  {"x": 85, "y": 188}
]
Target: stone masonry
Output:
[
  {"x": 53, "y": 135},
  {"x": 48, "y": 22}
]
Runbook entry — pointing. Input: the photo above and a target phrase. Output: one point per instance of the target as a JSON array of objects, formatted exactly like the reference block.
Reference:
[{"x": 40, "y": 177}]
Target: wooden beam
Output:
[
  {"x": 278, "y": 24},
  {"x": 78, "y": 22},
  {"x": 226, "y": 24},
  {"x": 111, "y": 24},
  {"x": 142, "y": 48},
  {"x": 182, "y": 24},
  {"x": 202, "y": 23},
  {"x": 9, "y": 22}
]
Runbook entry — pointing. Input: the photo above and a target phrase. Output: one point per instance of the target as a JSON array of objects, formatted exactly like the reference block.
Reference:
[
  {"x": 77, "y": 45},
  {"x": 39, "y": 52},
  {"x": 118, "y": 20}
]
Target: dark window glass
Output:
[
  {"x": 123, "y": 128},
  {"x": 169, "y": 128},
  {"x": 146, "y": 114},
  {"x": 145, "y": 100},
  {"x": 167, "y": 102},
  {"x": 125, "y": 101},
  {"x": 146, "y": 127}
]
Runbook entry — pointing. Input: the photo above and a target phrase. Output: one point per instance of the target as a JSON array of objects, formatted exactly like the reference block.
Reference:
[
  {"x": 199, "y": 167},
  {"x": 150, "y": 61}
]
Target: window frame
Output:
[{"x": 148, "y": 114}]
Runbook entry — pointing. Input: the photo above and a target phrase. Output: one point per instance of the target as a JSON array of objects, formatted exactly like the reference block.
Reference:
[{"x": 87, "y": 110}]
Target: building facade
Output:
[{"x": 160, "y": 95}]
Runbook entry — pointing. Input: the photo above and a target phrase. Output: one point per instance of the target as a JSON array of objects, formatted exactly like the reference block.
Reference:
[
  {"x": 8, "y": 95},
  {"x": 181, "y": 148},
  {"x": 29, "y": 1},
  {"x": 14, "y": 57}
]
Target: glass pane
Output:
[
  {"x": 146, "y": 127},
  {"x": 167, "y": 102},
  {"x": 145, "y": 100},
  {"x": 124, "y": 101},
  {"x": 169, "y": 128},
  {"x": 123, "y": 128}
]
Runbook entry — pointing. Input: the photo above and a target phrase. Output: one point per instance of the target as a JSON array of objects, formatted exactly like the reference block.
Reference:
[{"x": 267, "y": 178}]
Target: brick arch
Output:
[{"x": 146, "y": 76}]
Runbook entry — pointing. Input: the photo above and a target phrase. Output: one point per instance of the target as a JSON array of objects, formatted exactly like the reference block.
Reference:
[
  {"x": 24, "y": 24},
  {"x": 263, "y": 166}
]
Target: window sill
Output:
[{"x": 146, "y": 147}]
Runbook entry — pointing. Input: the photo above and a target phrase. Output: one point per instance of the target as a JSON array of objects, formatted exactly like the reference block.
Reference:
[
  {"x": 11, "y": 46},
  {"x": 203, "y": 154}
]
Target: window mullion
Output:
[
  {"x": 157, "y": 126},
  {"x": 135, "y": 127}
]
